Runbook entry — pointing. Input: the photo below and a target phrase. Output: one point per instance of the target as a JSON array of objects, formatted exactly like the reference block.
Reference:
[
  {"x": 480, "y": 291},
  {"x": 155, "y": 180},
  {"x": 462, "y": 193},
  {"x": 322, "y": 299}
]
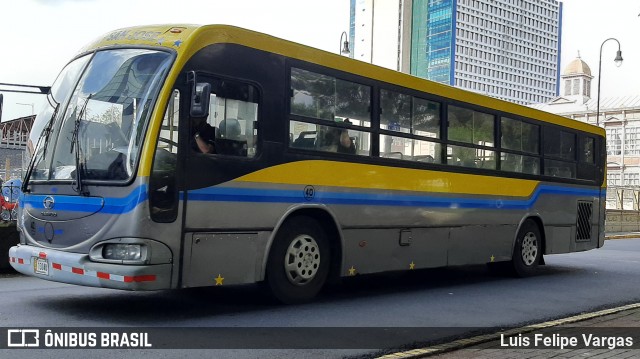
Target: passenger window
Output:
[
  {"x": 520, "y": 136},
  {"x": 407, "y": 114},
  {"x": 425, "y": 119},
  {"x": 404, "y": 114},
  {"x": 518, "y": 163},
  {"x": 230, "y": 128},
  {"x": 561, "y": 169},
  {"x": 396, "y": 111},
  {"x": 559, "y": 144},
  {"x": 409, "y": 149},
  {"x": 471, "y": 157},
  {"x": 168, "y": 139},
  {"x": 328, "y": 98},
  {"x": 586, "y": 157},
  {"x": 329, "y": 138},
  {"x": 587, "y": 150},
  {"x": 343, "y": 105},
  {"x": 313, "y": 94},
  {"x": 470, "y": 126}
]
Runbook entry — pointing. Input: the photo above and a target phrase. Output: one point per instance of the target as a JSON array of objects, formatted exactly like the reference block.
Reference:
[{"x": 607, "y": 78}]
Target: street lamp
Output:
[
  {"x": 618, "y": 61},
  {"x": 344, "y": 46}
]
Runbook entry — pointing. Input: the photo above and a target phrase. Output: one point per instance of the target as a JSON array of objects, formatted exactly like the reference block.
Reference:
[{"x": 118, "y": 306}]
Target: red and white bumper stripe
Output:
[
  {"x": 16, "y": 260},
  {"x": 103, "y": 275},
  {"x": 90, "y": 273}
]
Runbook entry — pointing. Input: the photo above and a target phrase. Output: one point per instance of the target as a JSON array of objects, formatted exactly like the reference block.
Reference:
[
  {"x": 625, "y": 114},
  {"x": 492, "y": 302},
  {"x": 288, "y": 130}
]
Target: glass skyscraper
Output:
[
  {"x": 431, "y": 43},
  {"x": 508, "y": 49}
]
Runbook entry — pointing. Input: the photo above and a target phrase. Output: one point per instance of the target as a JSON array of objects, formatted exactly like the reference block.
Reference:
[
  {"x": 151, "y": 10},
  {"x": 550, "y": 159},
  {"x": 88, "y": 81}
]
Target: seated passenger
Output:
[
  {"x": 346, "y": 144},
  {"x": 336, "y": 140},
  {"x": 230, "y": 129},
  {"x": 230, "y": 140}
]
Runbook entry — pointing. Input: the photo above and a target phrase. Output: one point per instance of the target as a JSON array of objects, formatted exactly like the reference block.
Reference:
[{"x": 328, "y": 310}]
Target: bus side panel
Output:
[
  {"x": 480, "y": 244},
  {"x": 561, "y": 213},
  {"x": 379, "y": 250},
  {"x": 209, "y": 260},
  {"x": 558, "y": 239}
]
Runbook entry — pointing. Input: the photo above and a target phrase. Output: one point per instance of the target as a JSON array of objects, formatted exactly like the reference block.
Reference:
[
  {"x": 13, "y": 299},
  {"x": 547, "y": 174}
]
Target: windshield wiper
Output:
[
  {"x": 44, "y": 139},
  {"x": 75, "y": 143}
]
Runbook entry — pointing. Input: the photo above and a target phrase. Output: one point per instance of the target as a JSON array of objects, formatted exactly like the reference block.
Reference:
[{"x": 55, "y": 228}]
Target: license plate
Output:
[{"x": 41, "y": 266}]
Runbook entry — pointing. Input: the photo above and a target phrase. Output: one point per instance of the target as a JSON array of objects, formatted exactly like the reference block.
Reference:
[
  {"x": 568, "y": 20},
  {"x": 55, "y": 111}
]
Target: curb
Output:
[
  {"x": 623, "y": 236},
  {"x": 468, "y": 342}
]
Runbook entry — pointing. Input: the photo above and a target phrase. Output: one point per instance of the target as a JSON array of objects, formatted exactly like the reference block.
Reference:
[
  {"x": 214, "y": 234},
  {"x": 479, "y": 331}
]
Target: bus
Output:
[{"x": 323, "y": 167}]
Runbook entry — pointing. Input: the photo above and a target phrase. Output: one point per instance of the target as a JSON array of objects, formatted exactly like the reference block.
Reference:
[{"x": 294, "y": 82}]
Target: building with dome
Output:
[
  {"x": 620, "y": 117},
  {"x": 577, "y": 79}
]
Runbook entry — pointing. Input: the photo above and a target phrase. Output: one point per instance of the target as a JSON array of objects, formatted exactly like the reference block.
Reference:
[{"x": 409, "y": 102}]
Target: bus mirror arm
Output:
[
  {"x": 200, "y": 100},
  {"x": 200, "y": 97}
]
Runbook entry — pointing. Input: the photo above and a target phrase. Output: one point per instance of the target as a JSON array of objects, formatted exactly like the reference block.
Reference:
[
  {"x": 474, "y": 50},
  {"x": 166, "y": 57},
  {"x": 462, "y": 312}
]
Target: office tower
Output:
[{"x": 508, "y": 49}]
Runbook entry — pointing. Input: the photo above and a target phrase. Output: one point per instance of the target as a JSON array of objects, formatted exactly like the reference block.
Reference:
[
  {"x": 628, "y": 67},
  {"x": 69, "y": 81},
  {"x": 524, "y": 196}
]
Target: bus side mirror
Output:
[{"x": 200, "y": 98}]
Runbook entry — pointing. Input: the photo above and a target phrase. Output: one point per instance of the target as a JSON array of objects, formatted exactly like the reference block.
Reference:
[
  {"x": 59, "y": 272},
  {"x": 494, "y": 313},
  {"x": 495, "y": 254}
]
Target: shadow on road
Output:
[{"x": 168, "y": 307}]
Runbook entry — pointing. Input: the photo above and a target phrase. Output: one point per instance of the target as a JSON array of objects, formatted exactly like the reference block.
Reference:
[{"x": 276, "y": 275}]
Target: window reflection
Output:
[
  {"x": 327, "y": 98},
  {"x": 329, "y": 138},
  {"x": 470, "y": 126}
]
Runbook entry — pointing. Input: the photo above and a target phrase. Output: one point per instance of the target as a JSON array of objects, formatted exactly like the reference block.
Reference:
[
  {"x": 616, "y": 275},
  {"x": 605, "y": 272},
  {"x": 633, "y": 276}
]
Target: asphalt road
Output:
[{"x": 418, "y": 307}]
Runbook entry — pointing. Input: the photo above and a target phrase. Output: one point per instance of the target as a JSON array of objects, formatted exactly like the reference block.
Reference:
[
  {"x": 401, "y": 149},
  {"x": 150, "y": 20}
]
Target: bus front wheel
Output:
[
  {"x": 298, "y": 262},
  {"x": 527, "y": 250}
]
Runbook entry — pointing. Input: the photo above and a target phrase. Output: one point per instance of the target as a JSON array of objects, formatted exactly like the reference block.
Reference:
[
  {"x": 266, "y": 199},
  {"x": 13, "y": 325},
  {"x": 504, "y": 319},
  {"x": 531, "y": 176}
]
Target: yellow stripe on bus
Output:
[{"x": 350, "y": 175}]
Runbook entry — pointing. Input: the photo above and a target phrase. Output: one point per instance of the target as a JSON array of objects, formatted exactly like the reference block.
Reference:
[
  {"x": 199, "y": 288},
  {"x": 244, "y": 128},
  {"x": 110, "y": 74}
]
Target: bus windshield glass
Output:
[{"x": 100, "y": 124}]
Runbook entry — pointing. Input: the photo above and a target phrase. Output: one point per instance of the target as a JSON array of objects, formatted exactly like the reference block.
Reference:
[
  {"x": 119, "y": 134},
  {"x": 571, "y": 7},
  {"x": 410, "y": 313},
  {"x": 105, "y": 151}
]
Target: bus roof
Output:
[{"x": 188, "y": 39}]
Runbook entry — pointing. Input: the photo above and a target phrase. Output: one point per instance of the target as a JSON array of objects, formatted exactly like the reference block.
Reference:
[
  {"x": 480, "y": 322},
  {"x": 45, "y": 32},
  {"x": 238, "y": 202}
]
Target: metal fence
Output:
[
  {"x": 9, "y": 200},
  {"x": 13, "y": 162},
  {"x": 626, "y": 198}
]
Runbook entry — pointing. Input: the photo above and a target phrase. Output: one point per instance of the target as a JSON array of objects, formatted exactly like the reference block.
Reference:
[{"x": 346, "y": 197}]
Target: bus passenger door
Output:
[
  {"x": 165, "y": 196},
  {"x": 221, "y": 146}
]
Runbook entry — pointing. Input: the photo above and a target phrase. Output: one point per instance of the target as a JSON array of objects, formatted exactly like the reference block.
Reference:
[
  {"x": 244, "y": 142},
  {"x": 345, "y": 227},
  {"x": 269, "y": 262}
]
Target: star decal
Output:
[
  {"x": 412, "y": 266},
  {"x": 177, "y": 43},
  {"x": 219, "y": 279},
  {"x": 493, "y": 258},
  {"x": 352, "y": 271}
]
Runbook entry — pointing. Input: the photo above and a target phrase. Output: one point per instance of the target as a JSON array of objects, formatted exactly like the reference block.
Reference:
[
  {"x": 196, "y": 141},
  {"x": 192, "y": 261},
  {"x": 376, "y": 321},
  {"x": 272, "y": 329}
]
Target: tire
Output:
[
  {"x": 299, "y": 261},
  {"x": 5, "y": 214},
  {"x": 527, "y": 250}
]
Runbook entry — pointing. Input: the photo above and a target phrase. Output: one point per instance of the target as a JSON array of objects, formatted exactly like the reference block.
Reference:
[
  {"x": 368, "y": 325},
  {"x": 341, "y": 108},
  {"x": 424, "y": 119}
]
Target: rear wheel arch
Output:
[
  {"x": 322, "y": 232},
  {"x": 538, "y": 221},
  {"x": 528, "y": 247}
]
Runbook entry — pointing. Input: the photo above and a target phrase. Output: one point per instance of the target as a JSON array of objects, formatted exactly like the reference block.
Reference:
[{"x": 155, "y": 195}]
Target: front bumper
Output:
[{"x": 76, "y": 268}]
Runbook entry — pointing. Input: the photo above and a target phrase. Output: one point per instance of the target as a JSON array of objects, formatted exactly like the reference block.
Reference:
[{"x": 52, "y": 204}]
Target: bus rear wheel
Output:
[
  {"x": 527, "y": 250},
  {"x": 298, "y": 262}
]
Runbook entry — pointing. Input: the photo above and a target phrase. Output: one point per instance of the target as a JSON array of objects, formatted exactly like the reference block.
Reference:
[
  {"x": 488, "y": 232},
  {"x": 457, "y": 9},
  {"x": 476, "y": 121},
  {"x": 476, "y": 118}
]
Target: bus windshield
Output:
[{"x": 97, "y": 125}]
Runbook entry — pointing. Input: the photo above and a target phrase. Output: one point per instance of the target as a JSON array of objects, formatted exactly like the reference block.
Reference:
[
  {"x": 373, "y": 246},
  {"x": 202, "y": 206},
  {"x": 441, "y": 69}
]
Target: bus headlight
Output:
[
  {"x": 132, "y": 251},
  {"x": 122, "y": 252}
]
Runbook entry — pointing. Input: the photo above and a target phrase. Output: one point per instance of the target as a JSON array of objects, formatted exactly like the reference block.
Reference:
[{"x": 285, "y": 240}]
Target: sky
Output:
[{"x": 40, "y": 36}]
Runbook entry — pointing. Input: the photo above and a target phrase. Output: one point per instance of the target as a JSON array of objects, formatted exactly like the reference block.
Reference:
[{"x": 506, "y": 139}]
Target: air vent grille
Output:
[{"x": 583, "y": 225}]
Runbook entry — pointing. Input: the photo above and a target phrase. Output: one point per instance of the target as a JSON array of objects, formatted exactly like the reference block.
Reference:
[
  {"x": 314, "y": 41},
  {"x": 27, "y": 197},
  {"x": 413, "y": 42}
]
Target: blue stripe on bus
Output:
[
  {"x": 227, "y": 194},
  {"x": 121, "y": 205},
  {"x": 110, "y": 205}
]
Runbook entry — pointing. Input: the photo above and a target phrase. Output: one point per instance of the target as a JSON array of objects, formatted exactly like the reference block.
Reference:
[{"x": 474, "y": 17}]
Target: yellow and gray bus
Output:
[{"x": 323, "y": 167}]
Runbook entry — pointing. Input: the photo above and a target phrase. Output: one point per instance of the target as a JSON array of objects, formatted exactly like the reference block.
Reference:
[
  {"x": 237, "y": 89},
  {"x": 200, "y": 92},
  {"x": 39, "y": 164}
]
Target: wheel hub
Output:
[
  {"x": 302, "y": 260},
  {"x": 529, "y": 248}
]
